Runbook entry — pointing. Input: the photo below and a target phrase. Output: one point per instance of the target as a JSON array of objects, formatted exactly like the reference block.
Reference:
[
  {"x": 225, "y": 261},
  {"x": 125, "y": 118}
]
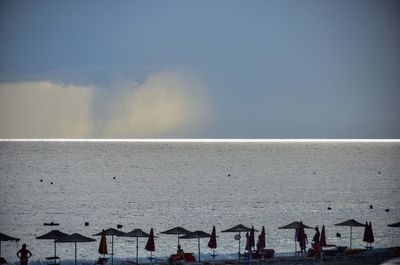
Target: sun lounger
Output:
[
  {"x": 100, "y": 261},
  {"x": 54, "y": 260}
]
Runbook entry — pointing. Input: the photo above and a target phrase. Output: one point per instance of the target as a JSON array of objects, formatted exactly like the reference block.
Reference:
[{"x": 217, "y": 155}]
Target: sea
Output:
[{"x": 87, "y": 186}]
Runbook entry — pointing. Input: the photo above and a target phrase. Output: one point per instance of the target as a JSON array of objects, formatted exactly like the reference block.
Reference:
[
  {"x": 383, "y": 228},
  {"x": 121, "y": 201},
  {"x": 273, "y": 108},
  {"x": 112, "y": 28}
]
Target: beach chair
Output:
[{"x": 54, "y": 260}]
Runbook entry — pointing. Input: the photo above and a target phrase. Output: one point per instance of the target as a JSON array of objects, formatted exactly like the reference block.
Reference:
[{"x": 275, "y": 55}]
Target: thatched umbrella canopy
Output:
[
  {"x": 196, "y": 234},
  {"x": 351, "y": 223}
]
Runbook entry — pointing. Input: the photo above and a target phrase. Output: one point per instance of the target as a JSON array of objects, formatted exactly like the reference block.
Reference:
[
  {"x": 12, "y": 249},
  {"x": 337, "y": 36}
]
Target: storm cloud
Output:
[{"x": 165, "y": 103}]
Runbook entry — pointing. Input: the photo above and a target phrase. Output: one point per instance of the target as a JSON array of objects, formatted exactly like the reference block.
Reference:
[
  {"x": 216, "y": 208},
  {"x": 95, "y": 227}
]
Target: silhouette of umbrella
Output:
[
  {"x": 250, "y": 240},
  {"x": 196, "y": 234},
  {"x": 212, "y": 243},
  {"x": 75, "y": 238},
  {"x": 261, "y": 239},
  {"x": 136, "y": 233},
  {"x": 53, "y": 234},
  {"x": 4, "y": 237},
  {"x": 296, "y": 226},
  {"x": 368, "y": 234},
  {"x": 395, "y": 225},
  {"x": 176, "y": 231},
  {"x": 352, "y": 223},
  {"x": 237, "y": 229},
  {"x": 322, "y": 241},
  {"x": 150, "y": 245},
  {"x": 111, "y": 232},
  {"x": 103, "y": 244}
]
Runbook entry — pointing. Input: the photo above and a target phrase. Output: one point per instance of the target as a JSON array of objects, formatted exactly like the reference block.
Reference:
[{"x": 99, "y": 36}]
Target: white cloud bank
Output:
[
  {"x": 166, "y": 104},
  {"x": 45, "y": 110}
]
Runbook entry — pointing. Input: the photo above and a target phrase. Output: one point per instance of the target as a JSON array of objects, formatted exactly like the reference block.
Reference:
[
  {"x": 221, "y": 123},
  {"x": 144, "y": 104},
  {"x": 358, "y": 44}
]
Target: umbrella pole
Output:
[
  {"x": 75, "y": 253},
  {"x": 178, "y": 239},
  {"x": 198, "y": 246},
  {"x": 351, "y": 232},
  {"x": 295, "y": 245},
  {"x": 137, "y": 250},
  {"x": 0, "y": 248},
  {"x": 239, "y": 246},
  {"x": 112, "y": 249}
]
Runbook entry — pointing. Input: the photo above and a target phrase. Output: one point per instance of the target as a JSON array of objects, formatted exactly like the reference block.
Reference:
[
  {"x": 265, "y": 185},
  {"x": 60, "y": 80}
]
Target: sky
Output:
[{"x": 200, "y": 69}]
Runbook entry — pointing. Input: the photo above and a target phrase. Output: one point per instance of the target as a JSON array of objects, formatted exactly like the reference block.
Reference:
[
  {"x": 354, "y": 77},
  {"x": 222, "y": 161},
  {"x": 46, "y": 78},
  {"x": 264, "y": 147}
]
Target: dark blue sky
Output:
[{"x": 200, "y": 69}]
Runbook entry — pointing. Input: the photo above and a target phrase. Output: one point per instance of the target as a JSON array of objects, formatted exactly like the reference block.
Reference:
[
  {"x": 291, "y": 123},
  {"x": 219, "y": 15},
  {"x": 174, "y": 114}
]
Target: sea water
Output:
[{"x": 195, "y": 184}]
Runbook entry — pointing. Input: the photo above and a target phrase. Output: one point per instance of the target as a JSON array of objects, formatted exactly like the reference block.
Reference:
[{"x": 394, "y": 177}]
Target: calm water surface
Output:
[{"x": 195, "y": 185}]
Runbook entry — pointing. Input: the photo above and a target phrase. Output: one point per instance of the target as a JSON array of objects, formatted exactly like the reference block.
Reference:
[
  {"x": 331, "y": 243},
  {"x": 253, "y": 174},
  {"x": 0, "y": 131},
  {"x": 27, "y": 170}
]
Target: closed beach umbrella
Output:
[
  {"x": 111, "y": 232},
  {"x": 4, "y": 237},
  {"x": 261, "y": 240},
  {"x": 75, "y": 238},
  {"x": 395, "y": 225},
  {"x": 351, "y": 223},
  {"x": 150, "y": 245},
  {"x": 103, "y": 244},
  {"x": 176, "y": 231},
  {"x": 250, "y": 240},
  {"x": 368, "y": 234},
  {"x": 53, "y": 234},
  {"x": 212, "y": 243},
  {"x": 136, "y": 233},
  {"x": 237, "y": 229},
  {"x": 322, "y": 241},
  {"x": 296, "y": 226},
  {"x": 365, "y": 232},
  {"x": 196, "y": 234}
]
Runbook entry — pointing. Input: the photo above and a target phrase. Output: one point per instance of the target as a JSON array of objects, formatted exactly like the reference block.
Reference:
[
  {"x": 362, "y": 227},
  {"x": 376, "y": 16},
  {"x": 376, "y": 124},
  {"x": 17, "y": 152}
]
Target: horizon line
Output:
[{"x": 193, "y": 140}]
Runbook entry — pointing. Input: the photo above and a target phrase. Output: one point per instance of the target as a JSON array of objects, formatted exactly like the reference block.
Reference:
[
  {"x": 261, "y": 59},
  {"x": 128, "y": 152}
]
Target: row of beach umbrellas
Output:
[{"x": 60, "y": 237}]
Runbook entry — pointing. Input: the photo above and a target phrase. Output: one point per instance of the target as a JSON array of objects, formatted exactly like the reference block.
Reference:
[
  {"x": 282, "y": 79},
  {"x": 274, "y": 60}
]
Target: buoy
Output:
[
  {"x": 387, "y": 210},
  {"x": 329, "y": 208},
  {"x": 229, "y": 175},
  {"x": 113, "y": 177},
  {"x": 86, "y": 223},
  {"x": 119, "y": 226},
  {"x": 379, "y": 172},
  {"x": 41, "y": 180},
  {"x": 338, "y": 235},
  {"x": 314, "y": 173},
  {"x": 371, "y": 207},
  {"x": 51, "y": 183}
]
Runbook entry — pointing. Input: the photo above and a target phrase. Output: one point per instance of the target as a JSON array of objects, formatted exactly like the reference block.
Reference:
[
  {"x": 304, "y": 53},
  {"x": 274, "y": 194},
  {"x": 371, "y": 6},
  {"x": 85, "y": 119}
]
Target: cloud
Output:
[
  {"x": 45, "y": 110},
  {"x": 166, "y": 104}
]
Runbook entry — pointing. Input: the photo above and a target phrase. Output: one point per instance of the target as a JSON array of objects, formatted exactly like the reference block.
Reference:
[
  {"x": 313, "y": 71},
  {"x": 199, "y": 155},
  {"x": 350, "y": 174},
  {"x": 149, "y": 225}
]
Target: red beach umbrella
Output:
[
  {"x": 250, "y": 240},
  {"x": 150, "y": 245},
  {"x": 322, "y": 241},
  {"x": 111, "y": 232},
  {"x": 212, "y": 243},
  {"x": 261, "y": 240},
  {"x": 368, "y": 234},
  {"x": 103, "y": 244},
  {"x": 365, "y": 232}
]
